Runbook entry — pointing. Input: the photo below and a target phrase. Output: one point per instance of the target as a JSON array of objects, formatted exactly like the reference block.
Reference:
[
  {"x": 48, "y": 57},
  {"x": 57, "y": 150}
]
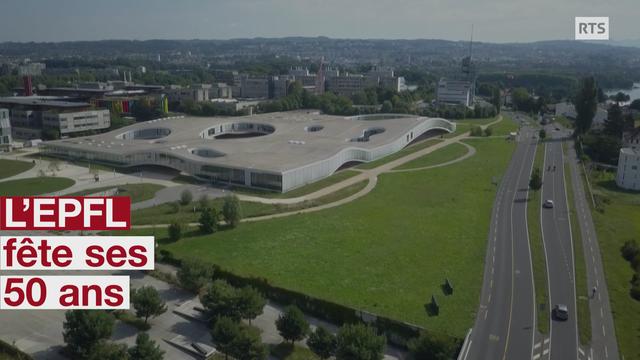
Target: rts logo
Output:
[{"x": 592, "y": 28}]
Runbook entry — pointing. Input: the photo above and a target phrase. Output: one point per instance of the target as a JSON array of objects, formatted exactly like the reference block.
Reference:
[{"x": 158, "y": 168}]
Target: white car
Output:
[{"x": 548, "y": 204}]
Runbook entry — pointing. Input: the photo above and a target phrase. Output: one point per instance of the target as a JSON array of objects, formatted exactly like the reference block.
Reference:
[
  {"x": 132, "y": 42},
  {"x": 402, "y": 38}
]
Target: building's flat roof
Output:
[
  {"x": 290, "y": 146},
  {"x": 42, "y": 101},
  {"x": 630, "y": 151}
]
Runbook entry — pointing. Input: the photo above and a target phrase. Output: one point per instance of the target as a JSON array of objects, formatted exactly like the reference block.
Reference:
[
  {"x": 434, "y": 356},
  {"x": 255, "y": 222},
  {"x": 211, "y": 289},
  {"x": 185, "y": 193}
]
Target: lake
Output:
[{"x": 633, "y": 93}]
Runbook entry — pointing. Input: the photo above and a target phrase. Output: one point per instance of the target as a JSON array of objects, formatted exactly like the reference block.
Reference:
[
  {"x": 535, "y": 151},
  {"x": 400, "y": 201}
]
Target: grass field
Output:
[
  {"x": 504, "y": 127},
  {"x": 582, "y": 291},
  {"x": 137, "y": 192},
  {"x": 10, "y": 168},
  {"x": 285, "y": 351},
  {"x": 619, "y": 222},
  {"x": 568, "y": 124},
  {"x": 404, "y": 152},
  {"x": 440, "y": 156},
  {"x": 163, "y": 214},
  {"x": 34, "y": 186},
  {"x": 387, "y": 252},
  {"x": 537, "y": 250}
]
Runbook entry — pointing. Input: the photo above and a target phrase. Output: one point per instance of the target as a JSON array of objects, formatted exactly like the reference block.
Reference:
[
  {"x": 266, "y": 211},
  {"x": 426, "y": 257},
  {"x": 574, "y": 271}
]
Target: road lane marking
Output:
[
  {"x": 606, "y": 352},
  {"x": 581, "y": 351},
  {"x": 601, "y": 312},
  {"x": 489, "y": 299},
  {"x": 485, "y": 314},
  {"x": 536, "y": 356},
  {"x": 537, "y": 345},
  {"x": 603, "y": 333}
]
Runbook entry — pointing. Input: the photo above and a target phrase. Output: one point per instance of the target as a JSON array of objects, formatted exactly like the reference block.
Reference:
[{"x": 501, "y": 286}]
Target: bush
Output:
[
  {"x": 174, "y": 207},
  {"x": 488, "y": 131},
  {"x": 433, "y": 347},
  {"x": 208, "y": 223},
  {"x": 175, "y": 231},
  {"x": 231, "y": 210},
  {"x": 292, "y": 325},
  {"x": 476, "y": 131},
  {"x": 635, "y": 290},
  {"x": 194, "y": 274},
  {"x": 186, "y": 197},
  {"x": 359, "y": 342}
]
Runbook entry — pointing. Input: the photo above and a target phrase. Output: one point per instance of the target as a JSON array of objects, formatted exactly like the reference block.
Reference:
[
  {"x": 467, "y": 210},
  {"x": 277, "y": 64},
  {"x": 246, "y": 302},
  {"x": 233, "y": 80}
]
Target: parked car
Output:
[
  {"x": 548, "y": 204},
  {"x": 561, "y": 312}
]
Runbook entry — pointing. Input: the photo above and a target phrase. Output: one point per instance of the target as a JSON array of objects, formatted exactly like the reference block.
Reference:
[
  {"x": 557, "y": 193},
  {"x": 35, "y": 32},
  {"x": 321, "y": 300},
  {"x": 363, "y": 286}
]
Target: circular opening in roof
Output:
[
  {"x": 145, "y": 134},
  {"x": 313, "y": 128},
  {"x": 206, "y": 153},
  {"x": 237, "y": 130}
]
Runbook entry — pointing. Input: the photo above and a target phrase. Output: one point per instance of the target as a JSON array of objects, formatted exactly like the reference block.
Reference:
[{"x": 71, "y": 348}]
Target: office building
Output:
[
  {"x": 628, "y": 172},
  {"x": 5, "y": 131},
  {"x": 455, "y": 92}
]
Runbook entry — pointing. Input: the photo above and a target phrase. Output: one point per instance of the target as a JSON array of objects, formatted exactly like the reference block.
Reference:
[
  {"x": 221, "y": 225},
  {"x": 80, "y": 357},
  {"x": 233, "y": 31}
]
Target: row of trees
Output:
[
  {"x": 631, "y": 252},
  {"x": 209, "y": 218}
]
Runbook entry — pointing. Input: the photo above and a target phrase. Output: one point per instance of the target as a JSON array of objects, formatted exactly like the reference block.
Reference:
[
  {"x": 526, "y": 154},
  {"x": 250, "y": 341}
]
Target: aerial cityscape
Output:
[{"x": 284, "y": 181}]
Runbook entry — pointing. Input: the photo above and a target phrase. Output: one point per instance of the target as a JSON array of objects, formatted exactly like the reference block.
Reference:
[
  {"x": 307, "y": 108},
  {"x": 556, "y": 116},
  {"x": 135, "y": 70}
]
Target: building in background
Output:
[
  {"x": 254, "y": 87},
  {"x": 568, "y": 110},
  {"x": 37, "y": 117},
  {"x": 31, "y": 69},
  {"x": 5, "y": 131},
  {"x": 455, "y": 92},
  {"x": 628, "y": 173}
]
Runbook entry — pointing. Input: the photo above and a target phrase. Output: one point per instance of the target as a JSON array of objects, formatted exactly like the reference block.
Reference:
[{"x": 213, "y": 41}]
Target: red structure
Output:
[{"x": 28, "y": 85}]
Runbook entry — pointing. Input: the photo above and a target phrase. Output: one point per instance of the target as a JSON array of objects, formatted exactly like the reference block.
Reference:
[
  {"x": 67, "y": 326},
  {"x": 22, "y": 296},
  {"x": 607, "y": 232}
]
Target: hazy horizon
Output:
[{"x": 494, "y": 21}]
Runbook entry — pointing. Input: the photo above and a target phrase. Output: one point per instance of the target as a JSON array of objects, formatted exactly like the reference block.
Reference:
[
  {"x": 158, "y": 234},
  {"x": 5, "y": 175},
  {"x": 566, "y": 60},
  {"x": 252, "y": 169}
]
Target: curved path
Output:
[{"x": 470, "y": 152}]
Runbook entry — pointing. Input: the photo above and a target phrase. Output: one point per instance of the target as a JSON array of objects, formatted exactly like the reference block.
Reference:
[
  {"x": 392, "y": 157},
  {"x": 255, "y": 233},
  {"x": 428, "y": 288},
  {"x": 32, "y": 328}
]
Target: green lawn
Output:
[
  {"x": 387, "y": 252},
  {"x": 404, "y": 152},
  {"x": 619, "y": 222},
  {"x": 285, "y": 351},
  {"x": 564, "y": 122},
  {"x": 440, "y": 156},
  {"x": 163, "y": 214},
  {"x": 137, "y": 192},
  {"x": 504, "y": 127},
  {"x": 582, "y": 291},
  {"x": 10, "y": 168},
  {"x": 34, "y": 186},
  {"x": 537, "y": 250}
]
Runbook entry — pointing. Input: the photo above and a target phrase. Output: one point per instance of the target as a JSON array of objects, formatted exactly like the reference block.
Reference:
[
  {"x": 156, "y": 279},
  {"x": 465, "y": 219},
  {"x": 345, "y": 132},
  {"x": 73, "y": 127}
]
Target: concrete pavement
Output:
[
  {"x": 505, "y": 322},
  {"x": 603, "y": 338},
  {"x": 558, "y": 248}
]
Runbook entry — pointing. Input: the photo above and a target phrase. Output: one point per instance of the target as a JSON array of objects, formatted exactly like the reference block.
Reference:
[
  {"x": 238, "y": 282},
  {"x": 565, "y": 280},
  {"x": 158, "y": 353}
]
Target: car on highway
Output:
[
  {"x": 548, "y": 204},
  {"x": 561, "y": 312}
]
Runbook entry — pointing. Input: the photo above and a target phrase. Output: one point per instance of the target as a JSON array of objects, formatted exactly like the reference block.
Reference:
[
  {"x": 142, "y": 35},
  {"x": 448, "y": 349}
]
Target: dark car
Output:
[{"x": 561, "y": 312}]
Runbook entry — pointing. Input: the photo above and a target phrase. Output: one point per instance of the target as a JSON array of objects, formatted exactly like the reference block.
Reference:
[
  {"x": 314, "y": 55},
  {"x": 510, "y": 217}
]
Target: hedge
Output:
[{"x": 12, "y": 351}]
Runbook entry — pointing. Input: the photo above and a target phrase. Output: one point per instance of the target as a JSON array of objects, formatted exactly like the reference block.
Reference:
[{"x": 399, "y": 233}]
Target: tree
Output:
[
  {"x": 224, "y": 333},
  {"x": 221, "y": 299},
  {"x": 496, "y": 99},
  {"x": 359, "y": 342},
  {"x": 186, "y": 197},
  {"x": 231, "y": 210},
  {"x": 84, "y": 329},
  {"x": 586, "y": 105},
  {"x": 387, "y": 107},
  {"x": 194, "y": 274},
  {"x": 208, "y": 223},
  {"x": 616, "y": 122},
  {"x": 635, "y": 105},
  {"x": 175, "y": 231},
  {"x": 106, "y": 350},
  {"x": 174, "y": 207},
  {"x": 535, "y": 183},
  {"x": 521, "y": 99},
  {"x": 542, "y": 134},
  {"x": 147, "y": 303},
  {"x": 322, "y": 343},
  {"x": 292, "y": 325},
  {"x": 145, "y": 349},
  {"x": 203, "y": 202},
  {"x": 247, "y": 345},
  {"x": 432, "y": 346},
  {"x": 488, "y": 131},
  {"x": 250, "y": 303},
  {"x": 621, "y": 97}
]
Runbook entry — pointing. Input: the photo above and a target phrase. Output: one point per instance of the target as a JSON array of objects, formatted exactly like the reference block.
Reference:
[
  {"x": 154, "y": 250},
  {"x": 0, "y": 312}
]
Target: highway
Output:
[
  {"x": 558, "y": 248},
  {"x": 603, "y": 337},
  {"x": 505, "y": 323}
]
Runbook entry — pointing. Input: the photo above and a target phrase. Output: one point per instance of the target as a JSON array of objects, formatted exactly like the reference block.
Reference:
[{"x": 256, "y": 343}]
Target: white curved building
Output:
[{"x": 275, "y": 151}]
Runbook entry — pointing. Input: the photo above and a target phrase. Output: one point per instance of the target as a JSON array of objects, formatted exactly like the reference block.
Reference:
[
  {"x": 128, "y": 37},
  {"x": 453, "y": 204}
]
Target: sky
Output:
[{"x": 492, "y": 20}]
